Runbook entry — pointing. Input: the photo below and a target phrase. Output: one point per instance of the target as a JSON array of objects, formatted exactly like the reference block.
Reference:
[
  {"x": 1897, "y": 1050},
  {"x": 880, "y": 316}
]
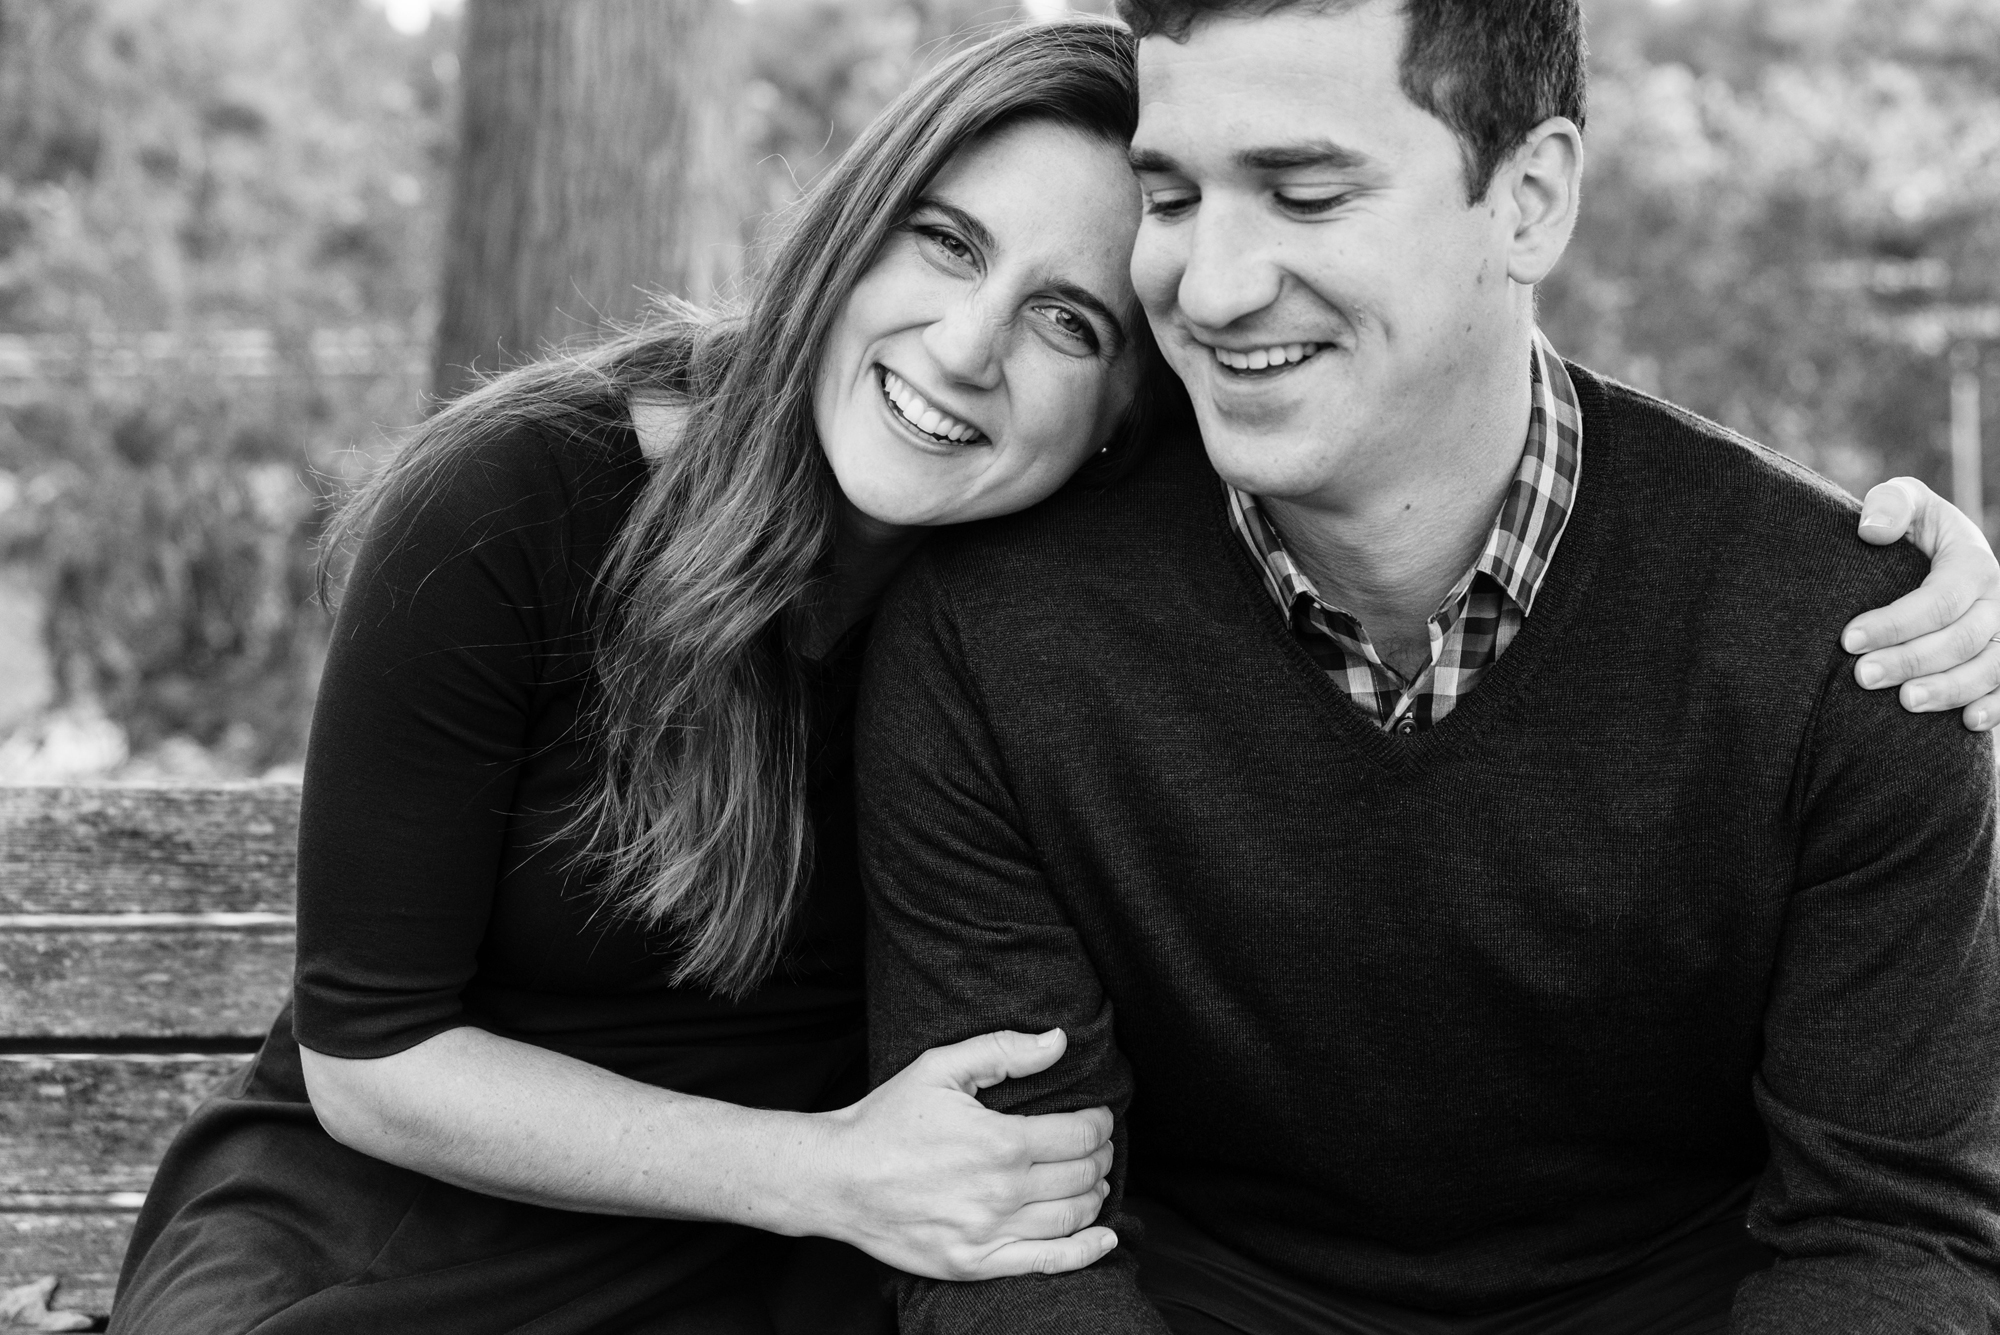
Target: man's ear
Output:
[{"x": 1543, "y": 178}]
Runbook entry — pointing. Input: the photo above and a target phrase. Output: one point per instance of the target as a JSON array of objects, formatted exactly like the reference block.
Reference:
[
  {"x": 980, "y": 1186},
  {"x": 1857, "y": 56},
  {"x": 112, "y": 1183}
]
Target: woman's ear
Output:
[{"x": 1542, "y": 178}]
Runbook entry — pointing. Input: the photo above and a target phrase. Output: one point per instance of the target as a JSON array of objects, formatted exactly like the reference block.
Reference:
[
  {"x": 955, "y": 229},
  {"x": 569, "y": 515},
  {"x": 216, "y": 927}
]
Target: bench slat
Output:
[
  {"x": 85, "y": 1249},
  {"x": 174, "y": 981},
  {"x": 148, "y": 849},
  {"x": 95, "y": 1126}
]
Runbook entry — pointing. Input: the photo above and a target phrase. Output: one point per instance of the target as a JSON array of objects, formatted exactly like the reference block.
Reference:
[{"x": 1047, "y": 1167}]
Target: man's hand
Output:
[{"x": 1937, "y": 642}]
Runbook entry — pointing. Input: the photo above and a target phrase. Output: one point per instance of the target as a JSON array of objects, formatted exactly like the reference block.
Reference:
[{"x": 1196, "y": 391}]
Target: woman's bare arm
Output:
[{"x": 918, "y": 1174}]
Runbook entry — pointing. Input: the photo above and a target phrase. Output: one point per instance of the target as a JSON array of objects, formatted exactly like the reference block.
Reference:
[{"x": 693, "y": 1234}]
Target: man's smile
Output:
[{"x": 1267, "y": 359}]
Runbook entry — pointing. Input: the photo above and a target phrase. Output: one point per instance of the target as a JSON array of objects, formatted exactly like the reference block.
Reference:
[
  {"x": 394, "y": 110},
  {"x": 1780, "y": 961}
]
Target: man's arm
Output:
[
  {"x": 1880, "y": 1084},
  {"x": 967, "y": 936}
]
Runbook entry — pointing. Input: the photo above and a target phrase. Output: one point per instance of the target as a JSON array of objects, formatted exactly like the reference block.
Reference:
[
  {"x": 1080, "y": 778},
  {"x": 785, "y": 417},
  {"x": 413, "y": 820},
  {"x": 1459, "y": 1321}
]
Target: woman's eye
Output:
[
  {"x": 948, "y": 242},
  {"x": 1169, "y": 203},
  {"x": 1071, "y": 325}
]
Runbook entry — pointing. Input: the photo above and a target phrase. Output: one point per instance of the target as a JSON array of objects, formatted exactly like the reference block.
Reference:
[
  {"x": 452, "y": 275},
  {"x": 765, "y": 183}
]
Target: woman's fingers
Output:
[
  {"x": 1073, "y": 1177},
  {"x": 1889, "y": 508},
  {"x": 28, "y": 1307},
  {"x": 1054, "y": 1219},
  {"x": 1941, "y": 669},
  {"x": 1051, "y": 1256},
  {"x": 982, "y": 1062},
  {"x": 1973, "y": 686},
  {"x": 1922, "y": 637},
  {"x": 1054, "y": 1137}
]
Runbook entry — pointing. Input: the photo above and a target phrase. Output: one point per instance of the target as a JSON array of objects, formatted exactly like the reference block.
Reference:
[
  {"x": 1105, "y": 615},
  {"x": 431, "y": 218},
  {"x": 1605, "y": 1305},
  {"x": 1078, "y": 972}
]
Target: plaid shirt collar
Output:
[{"x": 1525, "y": 533}]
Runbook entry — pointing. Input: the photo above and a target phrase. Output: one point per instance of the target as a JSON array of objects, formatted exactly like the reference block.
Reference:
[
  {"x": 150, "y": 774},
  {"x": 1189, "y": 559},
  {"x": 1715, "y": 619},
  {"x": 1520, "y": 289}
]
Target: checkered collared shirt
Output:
[{"x": 1484, "y": 610}]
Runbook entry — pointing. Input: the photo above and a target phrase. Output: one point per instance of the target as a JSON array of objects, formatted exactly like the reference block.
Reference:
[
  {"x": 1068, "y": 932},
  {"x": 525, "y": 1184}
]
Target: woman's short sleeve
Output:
[{"x": 464, "y": 590}]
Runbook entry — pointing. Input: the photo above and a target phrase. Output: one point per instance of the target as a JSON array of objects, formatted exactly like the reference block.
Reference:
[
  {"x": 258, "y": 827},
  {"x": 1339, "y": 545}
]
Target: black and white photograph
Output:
[{"x": 999, "y": 667}]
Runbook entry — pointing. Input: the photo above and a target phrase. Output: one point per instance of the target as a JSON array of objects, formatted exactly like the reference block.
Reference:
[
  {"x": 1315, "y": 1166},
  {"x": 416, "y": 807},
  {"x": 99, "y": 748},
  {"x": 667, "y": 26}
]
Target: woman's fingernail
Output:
[
  {"x": 1980, "y": 719},
  {"x": 1048, "y": 1040},
  {"x": 1871, "y": 675},
  {"x": 1853, "y": 641},
  {"x": 1874, "y": 521},
  {"x": 1917, "y": 697},
  {"x": 1108, "y": 1241}
]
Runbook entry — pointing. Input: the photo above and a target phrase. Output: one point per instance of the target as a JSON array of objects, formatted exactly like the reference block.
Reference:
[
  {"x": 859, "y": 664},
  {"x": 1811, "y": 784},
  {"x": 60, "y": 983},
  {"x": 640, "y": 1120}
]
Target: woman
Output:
[
  {"x": 575, "y": 1039},
  {"x": 578, "y": 992}
]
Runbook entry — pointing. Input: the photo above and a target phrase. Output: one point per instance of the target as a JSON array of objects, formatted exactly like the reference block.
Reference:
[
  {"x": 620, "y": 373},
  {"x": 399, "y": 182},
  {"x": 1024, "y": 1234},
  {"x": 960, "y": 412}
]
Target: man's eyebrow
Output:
[
  {"x": 1084, "y": 297},
  {"x": 966, "y": 223},
  {"x": 1272, "y": 158},
  {"x": 1311, "y": 153}
]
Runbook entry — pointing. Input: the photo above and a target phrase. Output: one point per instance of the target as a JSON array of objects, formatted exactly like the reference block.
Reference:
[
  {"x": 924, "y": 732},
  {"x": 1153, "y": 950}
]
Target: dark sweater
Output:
[
  {"x": 1460, "y": 1019},
  {"x": 439, "y": 884}
]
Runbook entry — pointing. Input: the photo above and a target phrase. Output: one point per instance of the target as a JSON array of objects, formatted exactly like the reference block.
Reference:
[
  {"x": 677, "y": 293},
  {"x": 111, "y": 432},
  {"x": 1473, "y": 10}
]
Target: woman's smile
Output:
[{"x": 931, "y": 424}]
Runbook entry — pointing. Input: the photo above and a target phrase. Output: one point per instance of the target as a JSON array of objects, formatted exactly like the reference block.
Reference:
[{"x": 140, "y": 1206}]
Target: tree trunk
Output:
[{"x": 598, "y": 163}]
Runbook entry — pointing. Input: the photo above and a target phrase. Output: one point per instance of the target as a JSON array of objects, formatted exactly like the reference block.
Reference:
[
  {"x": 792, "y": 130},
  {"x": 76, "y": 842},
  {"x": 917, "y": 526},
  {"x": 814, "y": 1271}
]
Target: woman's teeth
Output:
[
  {"x": 1258, "y": 359},
  {"x": 922, "y": 414}
]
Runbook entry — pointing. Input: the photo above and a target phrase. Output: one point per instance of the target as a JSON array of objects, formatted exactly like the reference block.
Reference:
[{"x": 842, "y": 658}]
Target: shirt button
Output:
[{"x": 1407, "y": 726}]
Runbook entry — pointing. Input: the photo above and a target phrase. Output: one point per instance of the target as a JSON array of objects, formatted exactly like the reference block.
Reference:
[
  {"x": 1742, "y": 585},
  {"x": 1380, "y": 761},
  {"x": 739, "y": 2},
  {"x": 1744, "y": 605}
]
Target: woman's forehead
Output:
[{"x": 1048, "y": 195}]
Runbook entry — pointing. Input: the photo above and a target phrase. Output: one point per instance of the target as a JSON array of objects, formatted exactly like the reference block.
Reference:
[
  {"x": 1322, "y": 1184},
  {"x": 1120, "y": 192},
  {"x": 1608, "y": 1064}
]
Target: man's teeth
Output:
[
  {"x": 1257, "y": 359},
  {"x": 922, "y": 414}
]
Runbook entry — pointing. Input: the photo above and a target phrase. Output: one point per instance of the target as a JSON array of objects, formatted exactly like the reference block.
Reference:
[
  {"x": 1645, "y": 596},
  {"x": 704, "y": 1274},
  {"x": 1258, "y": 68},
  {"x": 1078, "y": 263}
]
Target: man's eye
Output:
[
  {"x": 1309, "y": 204},
  {"x": 1170, "y": 203}
]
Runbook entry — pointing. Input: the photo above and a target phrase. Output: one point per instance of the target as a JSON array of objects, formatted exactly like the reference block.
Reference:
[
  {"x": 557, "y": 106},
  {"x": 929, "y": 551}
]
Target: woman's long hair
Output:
[{"x": 697, "y": 821}]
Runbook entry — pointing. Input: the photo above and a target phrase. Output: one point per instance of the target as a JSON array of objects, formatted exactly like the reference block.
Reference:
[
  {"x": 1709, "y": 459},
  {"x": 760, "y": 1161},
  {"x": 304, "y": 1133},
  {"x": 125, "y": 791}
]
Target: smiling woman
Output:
[
  {"x": 579, "y": 982},
  {"x": 987, "y": 352}
]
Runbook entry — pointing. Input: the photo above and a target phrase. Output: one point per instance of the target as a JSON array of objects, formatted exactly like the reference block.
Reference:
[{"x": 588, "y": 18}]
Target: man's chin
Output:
[{"x": 1264, "y": 463}]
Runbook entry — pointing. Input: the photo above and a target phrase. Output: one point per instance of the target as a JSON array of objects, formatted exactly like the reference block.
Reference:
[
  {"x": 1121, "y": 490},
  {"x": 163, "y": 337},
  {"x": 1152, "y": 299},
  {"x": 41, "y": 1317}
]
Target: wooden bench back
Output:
[{"x": 146, "y": 944}]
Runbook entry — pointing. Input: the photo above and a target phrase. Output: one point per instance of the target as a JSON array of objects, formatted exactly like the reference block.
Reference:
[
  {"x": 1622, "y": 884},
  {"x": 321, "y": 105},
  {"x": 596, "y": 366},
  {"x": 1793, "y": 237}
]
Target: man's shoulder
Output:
[
  {"x": 1103, "y": 538},
  {"x": 1730, "y": 503},
  {"x": 1703, "y": 453}
]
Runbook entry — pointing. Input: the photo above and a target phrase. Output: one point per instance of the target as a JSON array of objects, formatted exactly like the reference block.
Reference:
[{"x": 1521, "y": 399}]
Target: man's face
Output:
[{"x": 1307, "y": 256}]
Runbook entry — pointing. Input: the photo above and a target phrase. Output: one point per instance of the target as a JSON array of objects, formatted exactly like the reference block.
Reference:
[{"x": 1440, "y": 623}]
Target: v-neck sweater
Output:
[{"x": 1468, "y": 1017}]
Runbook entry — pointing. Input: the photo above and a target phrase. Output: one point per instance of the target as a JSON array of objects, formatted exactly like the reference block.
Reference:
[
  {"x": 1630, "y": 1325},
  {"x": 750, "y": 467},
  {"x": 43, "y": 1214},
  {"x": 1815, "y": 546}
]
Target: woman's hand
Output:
[
  {"x": 1937, "y": 642},
  {"x": 933, "y": 1182}
]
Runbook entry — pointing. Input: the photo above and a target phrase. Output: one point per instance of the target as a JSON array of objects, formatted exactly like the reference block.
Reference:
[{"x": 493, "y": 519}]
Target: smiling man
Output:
[{"x": 1439, "y": 810}]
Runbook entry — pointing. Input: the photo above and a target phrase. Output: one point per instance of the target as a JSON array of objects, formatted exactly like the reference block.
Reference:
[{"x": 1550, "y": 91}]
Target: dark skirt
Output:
[{"x": 259, "y": 1221}]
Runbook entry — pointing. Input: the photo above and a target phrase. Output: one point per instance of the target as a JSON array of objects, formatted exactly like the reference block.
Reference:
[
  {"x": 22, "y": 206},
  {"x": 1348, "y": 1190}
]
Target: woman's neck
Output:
[{"x": 867, "y": 553}]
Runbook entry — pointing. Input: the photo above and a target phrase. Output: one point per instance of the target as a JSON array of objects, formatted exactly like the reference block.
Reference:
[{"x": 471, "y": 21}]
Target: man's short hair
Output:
[{"x": 1490, "y": 71}]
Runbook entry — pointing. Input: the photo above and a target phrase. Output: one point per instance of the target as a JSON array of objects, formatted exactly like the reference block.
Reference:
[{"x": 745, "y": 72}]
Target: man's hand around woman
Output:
[{"x": 931, "y": 1181}]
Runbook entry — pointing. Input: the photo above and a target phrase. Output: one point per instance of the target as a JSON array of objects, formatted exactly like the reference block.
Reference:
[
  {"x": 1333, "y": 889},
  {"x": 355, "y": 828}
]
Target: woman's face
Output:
[{"x": 990, "y": 349}]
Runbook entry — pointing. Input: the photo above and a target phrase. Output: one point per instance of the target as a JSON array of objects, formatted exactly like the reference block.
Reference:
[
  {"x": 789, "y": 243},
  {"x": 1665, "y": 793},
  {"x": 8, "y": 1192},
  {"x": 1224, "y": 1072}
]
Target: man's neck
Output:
[{"x": 1389, "y": 554}]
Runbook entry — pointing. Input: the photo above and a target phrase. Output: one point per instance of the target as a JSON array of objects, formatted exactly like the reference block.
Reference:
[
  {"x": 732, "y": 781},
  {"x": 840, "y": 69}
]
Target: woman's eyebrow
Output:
[{"x": 974, "y": 229}]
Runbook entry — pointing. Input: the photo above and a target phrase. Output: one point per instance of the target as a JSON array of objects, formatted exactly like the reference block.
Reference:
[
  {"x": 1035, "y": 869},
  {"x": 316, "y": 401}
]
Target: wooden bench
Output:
[{"x": 146, "y": 941}]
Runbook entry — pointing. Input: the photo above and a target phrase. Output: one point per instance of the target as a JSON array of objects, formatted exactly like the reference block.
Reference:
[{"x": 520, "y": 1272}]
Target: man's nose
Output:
[
  {"x": 966, "y": 341},
  {"x": 1230, "y": 273}
]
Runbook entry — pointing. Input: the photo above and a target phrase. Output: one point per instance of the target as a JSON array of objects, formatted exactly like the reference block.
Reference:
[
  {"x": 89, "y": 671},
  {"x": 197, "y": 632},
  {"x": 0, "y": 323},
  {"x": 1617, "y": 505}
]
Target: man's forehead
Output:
[{"x": 1297, "y": 74}]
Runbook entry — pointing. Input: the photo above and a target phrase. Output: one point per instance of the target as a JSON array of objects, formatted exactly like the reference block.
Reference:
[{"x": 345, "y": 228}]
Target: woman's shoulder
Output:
[
  {"x": 524, "y": 511},
  {"x": 520, "y": 482}
]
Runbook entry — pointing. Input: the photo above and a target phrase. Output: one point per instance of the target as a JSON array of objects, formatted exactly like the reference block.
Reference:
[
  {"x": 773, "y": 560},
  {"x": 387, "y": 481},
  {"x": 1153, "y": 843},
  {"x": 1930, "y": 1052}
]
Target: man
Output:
[{"x": 1441, "y": 815}]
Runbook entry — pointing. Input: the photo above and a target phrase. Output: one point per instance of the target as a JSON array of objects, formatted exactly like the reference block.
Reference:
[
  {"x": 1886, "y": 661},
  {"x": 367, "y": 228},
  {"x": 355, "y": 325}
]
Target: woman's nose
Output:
[{"x": 967, "y": 341}]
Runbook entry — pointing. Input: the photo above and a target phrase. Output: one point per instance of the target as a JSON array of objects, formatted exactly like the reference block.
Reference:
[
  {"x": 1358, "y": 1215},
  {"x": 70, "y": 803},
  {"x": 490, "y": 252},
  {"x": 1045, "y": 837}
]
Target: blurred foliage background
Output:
[{"x": 220, "y": 233}]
